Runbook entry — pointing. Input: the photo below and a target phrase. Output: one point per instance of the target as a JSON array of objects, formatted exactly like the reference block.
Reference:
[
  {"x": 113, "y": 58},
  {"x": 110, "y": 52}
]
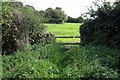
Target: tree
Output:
[
  {"x": 80, "y": 19},
  {"x": 75, "y": 20},
  {"x": 30, "y": 7},
  {"x": 55, "y": 14},
  {"x": 49, "y": 13},
  {"x": 72, "y": 20},
  {"x": 58, "y": 8}
]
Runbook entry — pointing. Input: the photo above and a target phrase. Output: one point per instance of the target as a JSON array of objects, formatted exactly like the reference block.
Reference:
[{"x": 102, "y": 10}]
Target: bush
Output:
[
  {"x": 10, "y": 30},
  {"x": 43, "y": 39},
  {"x": 19, "y": 25},
  {"x": 104, "y": 29}
]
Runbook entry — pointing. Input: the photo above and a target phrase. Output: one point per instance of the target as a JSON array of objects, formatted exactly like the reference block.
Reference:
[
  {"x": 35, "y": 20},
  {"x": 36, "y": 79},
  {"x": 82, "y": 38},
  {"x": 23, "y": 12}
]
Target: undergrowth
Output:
[{"x": 54, "y": 61}]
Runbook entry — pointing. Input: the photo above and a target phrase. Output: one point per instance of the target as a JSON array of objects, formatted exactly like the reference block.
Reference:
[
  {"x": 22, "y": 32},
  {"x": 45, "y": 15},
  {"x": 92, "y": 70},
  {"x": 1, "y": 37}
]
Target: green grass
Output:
[{"x": 66, "y": 29}]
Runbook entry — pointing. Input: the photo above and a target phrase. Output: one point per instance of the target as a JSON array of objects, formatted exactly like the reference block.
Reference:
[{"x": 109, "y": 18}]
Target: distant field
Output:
[{"x": 66, "y": 29}]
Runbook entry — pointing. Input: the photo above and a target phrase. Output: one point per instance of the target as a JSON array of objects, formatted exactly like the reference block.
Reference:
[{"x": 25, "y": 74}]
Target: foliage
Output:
[
  {"x": 53, "y": 61},
  {"x": 55, "y": 15},
  {"x": 9, "y": 30},
  {"x": 32, "y": 63},
  {"x": 42, "y": 39},
  {"x": 75, "y": 20},
  {"x": 19, "y": 25},
  {"x": 80, "y": 19},
  {"x": 104, "y": 27}
]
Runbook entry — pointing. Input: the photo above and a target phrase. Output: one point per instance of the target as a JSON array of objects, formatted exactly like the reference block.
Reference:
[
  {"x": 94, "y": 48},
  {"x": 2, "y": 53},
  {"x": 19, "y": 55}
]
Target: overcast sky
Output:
[{"x": 73, "y": 8}]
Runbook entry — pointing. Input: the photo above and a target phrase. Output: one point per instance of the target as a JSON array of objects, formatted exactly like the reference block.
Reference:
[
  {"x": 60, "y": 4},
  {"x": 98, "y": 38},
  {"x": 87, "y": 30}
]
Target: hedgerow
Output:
[
  {"x": 104, "y": 27},
  {"x": 20, "y": 27}
]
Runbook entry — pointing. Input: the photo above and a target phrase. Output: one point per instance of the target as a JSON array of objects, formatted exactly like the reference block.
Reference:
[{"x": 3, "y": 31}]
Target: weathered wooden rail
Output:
[{"x": 68, "y": 37}]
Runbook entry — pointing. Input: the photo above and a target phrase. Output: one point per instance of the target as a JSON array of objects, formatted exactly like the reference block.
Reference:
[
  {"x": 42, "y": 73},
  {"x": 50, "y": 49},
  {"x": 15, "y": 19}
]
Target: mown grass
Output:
[
  {"x": 53, "y": 61},
  {"x": 66, "y": 29}
]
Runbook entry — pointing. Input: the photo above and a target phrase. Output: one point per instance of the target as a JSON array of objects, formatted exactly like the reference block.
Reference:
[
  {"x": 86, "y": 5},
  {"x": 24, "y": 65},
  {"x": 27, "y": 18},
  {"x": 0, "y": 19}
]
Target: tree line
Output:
[{"x": 58, "y": 16}]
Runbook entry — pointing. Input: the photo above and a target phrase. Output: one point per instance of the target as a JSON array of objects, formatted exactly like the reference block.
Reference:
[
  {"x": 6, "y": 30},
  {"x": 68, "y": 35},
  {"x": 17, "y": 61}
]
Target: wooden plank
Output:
[
  {"x": 68, "y": 43},
  {"x": 67, "y": 37}
]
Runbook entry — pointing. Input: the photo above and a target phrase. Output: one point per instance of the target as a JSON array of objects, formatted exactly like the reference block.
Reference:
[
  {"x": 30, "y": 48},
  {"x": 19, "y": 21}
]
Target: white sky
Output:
[{"x": 73, "y": 8}]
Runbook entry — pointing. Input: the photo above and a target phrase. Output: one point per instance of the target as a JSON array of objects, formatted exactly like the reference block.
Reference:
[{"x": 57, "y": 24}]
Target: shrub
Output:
[
  {"x": 104, "y": 28},
  {"x": 46, "y": 38},
  {"x": 19, "y": 25},
  {"x": 9, "y": 30}
]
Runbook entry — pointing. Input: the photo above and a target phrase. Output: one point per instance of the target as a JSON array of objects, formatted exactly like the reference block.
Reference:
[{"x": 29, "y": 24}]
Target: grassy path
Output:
[{"x": 66, "y": 29}]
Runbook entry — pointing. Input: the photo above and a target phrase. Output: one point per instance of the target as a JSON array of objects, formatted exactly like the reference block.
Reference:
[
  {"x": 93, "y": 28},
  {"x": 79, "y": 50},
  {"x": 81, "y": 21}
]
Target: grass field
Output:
[{"x": 66, "y": 29}]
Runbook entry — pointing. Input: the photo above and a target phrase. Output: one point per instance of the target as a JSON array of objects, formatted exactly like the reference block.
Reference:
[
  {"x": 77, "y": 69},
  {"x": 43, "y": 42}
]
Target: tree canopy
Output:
[
  {"x": 75, "y": 20},
  {"x": 55, "y": 15}
]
